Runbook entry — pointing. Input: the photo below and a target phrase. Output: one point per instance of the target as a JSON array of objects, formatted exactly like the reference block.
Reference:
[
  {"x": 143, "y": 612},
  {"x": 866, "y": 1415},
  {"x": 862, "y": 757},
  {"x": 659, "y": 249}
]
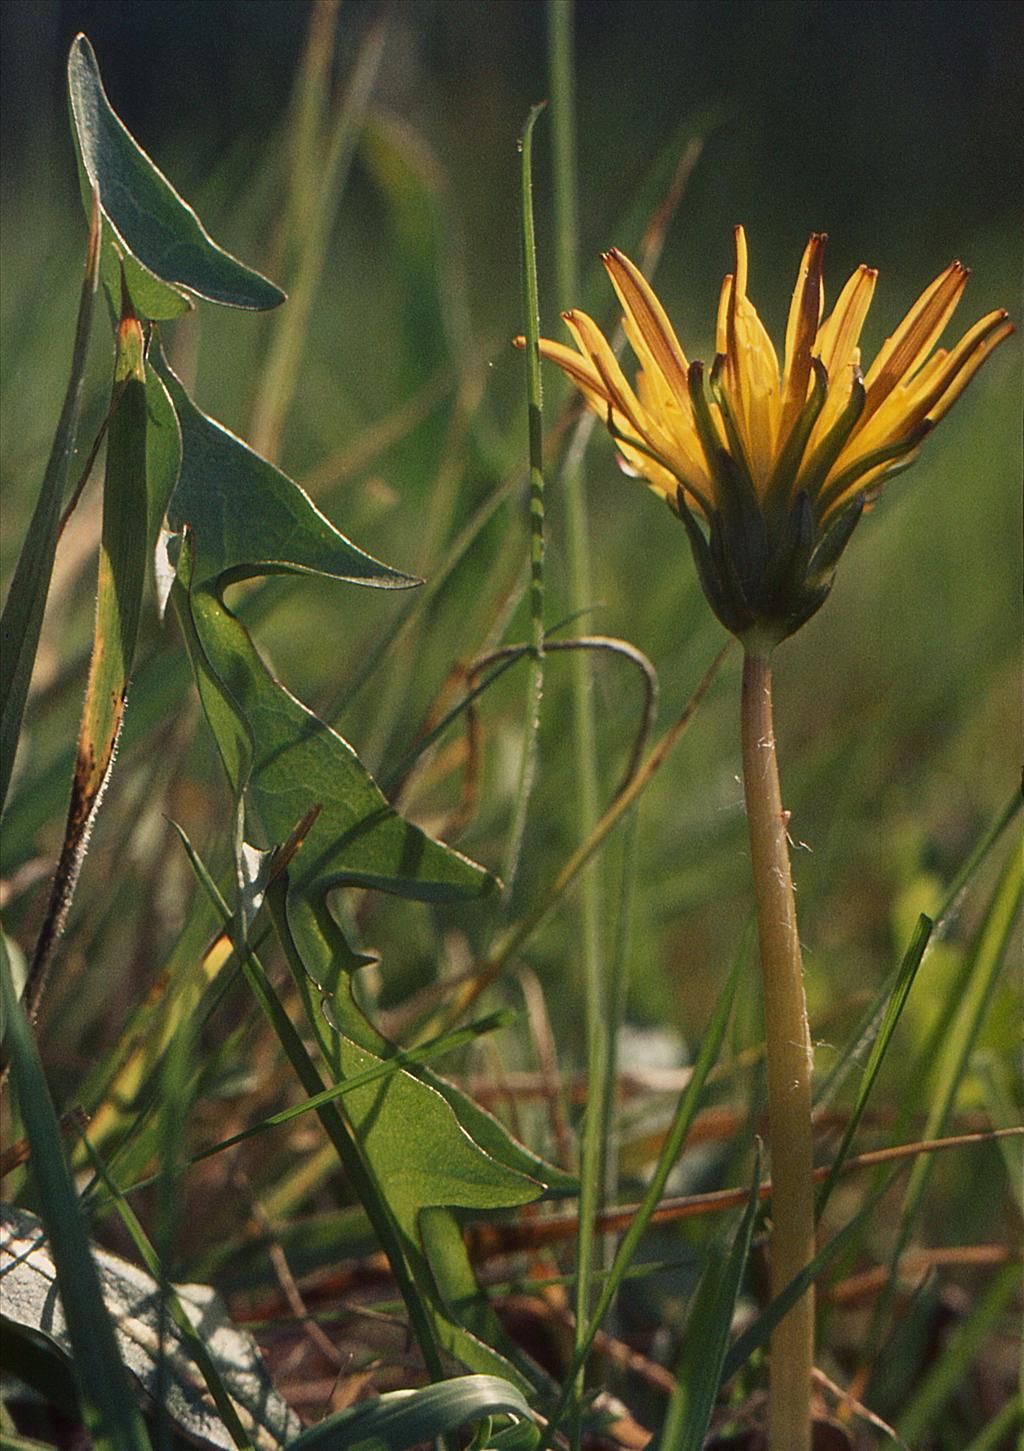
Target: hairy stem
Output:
[{"x": 789, "y": 1053}]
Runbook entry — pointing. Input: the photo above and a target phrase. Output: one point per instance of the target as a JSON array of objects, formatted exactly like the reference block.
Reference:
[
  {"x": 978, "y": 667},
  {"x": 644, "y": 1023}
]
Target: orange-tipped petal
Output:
[
  {"x": 913, "y": 340},
  {"x": 801, "y": 332},
  {"x": 839, "y": 334},
  {"x": 722, "y": 319},
  {"x": 653, "y": 326},
  {"x": 592, "y": 343},
  {"x": 751, "y": 374},
  {"x": 577, "y": 369},
  {"x": 987, "y": 344},
  {"x": 739, "y": 237}
]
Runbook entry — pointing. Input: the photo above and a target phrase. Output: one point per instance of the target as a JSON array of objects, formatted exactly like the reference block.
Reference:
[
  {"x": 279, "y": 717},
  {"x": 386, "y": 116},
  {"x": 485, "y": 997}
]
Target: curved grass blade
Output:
[
  {"x": 514, "y": 936},
  {"x": 23, "y": 611},
  {"x": 699, "y": 1373},
  {"x": 108, "y": 1406},
  {"x": 144, "y": 217},
  {"x": 401, "y": 1419}
]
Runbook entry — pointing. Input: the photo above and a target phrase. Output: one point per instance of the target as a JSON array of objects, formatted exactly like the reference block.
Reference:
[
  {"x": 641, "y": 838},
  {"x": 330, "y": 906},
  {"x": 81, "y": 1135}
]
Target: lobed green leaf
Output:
[{"x": 166, "y": 249}]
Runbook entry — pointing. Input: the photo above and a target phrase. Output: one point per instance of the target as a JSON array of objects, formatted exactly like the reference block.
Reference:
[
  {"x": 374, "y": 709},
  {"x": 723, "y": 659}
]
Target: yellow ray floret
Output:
[{"x": 818, "y": 425}]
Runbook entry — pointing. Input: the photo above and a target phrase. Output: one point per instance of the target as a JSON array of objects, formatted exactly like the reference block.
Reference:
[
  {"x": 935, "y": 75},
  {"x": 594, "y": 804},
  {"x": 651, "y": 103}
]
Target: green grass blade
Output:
[
  {"x": 535, "y": 425},
  {"x": 866, "y": 1030},
  {"x": 23, "y": 611},
  {"x": 947, "y": 1073},
  {"x": 13, "y": 1442},
  {"x": 757, "y": 1334},
  {"x": 403, "y": 1419},
  {"x": 685, "y": 1113},
  {"x": 699, "y": 1373},
  {"x": 108, "y": 1405},
  {"x": 204, "y": 1362},
  {"x": 561, "y": 72},
  {"x": 950, "y": 1372},
  {"x": 997, "y": 1079},
  {"x": 893, "y": 1010},
  {"x": 562, "y": 75},
  {"x": 405, "y": 1058},
  {"x": 1003, "y": 1423},
  {"x": 331, "y": 161},
  {"x": 977, "y": 857},
  {"x": 307, "y": 119},
  {"x": 626, "y": 884}
]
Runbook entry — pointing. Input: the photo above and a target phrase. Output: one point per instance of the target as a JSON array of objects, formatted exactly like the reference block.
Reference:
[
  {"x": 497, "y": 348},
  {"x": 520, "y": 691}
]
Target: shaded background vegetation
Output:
[{"x": 892, "y": 126}]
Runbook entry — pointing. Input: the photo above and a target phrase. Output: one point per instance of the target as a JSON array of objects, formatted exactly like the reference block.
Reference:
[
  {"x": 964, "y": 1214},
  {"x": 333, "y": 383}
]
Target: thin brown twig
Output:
[
  {"x": 595, "y": 642},
  {"x": 289, "y": 1288},
  {"x": 487, "y": 1240},
  {"x": 490, "y": 1242},
  {"x": 849, "y": 1405},
  {"x": 863, "y": 1286},
  {"x": 547, "y": 1057}
]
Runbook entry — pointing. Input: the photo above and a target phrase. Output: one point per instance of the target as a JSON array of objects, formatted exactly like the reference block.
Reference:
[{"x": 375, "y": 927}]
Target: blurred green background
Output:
[{"x": 892, "y": 126}]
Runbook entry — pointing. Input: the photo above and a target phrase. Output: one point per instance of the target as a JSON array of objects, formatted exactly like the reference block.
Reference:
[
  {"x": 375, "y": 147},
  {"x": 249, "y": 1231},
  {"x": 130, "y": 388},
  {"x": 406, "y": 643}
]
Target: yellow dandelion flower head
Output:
[{"x": 770, "y": 468}]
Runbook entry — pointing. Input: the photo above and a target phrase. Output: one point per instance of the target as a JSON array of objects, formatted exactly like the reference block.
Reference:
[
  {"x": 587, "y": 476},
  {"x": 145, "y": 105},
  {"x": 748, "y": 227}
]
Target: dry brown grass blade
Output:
[
  {"x": 20, "y": 1151},
  {"x": 855, "y": 1289},
  {"x": 487, "y": 1240}
]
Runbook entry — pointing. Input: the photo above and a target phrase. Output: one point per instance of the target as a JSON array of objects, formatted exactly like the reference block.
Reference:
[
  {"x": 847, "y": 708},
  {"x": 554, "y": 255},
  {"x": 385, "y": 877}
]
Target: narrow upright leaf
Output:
[
  {"x": 107, "y": 1403},
  {"x": 26, "y": 601},
  {"x": 699, "y": 1373},
  {"x": 122, "y": 576}
]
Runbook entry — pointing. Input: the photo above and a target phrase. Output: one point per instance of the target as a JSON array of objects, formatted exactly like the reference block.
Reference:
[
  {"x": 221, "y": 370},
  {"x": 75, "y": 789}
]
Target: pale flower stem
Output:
[{"x": 788, "y": 1042}]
